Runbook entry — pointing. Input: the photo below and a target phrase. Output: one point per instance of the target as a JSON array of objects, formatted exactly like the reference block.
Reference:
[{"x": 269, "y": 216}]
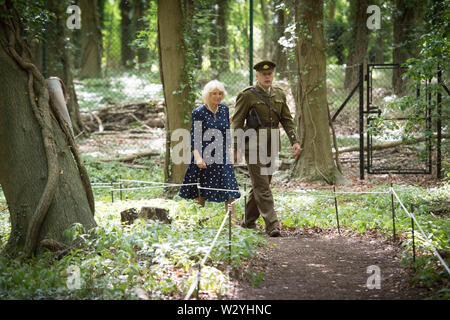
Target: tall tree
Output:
[
  {"x": 279, "y": 55},
  {"x": 59, "y": 61},
  {"x": 222, "y": 34},
  {"x": 127, "y": 33},
  {"x": 359, "y": 41},
  {"x": 42, "y": 176},
  {"x": 172, "y": 59},
  {"x": 91, "y": 40},
  {"x": 267, "y": 47},
  {"x": 316, "y": 160},
  {"x": 331, "y": 9},
  {"x": 408, "y": 18},
  {"x": 140, "y": 10}
]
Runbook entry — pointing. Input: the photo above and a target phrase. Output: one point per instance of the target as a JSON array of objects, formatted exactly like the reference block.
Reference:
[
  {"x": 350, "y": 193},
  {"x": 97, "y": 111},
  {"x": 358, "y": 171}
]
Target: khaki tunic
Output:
[{"x": 260, "y": 200}]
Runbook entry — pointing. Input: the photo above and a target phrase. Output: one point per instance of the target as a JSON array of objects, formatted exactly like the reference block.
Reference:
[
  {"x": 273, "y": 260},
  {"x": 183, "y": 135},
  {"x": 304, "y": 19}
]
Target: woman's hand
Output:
[
  {"x": 199, "y": 160},
  {"x": 200, "y": 163}
]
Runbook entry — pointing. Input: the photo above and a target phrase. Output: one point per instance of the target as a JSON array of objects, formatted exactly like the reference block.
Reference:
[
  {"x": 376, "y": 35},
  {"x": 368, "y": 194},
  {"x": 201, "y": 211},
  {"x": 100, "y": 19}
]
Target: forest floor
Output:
[{"x": 305, "y": 263}]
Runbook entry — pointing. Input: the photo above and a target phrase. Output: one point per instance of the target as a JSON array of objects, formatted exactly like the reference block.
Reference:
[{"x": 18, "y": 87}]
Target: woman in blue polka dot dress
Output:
[{"x": 210, "y": 160}]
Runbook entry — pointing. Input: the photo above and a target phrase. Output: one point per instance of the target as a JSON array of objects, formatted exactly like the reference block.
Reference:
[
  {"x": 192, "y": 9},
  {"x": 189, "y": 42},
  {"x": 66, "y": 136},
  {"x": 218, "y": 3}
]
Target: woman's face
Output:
[{"x": 215, "y": 97}]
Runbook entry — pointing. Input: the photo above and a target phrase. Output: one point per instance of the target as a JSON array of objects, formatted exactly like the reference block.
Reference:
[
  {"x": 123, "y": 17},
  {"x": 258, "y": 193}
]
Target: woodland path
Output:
[{"x": 307, "y": 265}]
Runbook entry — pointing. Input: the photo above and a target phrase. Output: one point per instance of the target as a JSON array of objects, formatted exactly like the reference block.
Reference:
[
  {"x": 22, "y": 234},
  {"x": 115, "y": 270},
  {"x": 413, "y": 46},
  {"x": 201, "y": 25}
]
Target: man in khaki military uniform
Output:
[{"x": 271, "y": 113}]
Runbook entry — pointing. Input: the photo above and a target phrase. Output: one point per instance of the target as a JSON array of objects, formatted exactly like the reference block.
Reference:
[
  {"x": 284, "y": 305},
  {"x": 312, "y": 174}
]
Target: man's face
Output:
[{"x": 265, "y": 78}]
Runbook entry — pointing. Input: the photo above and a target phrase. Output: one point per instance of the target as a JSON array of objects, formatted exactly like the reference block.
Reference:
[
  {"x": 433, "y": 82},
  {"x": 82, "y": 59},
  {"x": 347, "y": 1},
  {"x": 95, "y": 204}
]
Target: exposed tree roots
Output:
[{"x": 39, "y": 99}]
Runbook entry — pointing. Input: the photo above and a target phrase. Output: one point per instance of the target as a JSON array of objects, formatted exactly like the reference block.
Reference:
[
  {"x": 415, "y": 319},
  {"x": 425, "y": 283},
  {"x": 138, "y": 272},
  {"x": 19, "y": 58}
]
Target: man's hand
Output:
[
  {"x": 296, "y": 150},
  {"x": 236, "y": 156}
]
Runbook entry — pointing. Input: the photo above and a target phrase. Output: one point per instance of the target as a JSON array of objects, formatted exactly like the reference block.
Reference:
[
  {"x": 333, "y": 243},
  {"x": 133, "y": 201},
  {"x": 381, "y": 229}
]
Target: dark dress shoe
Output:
[{"x": 275, "y": 233}]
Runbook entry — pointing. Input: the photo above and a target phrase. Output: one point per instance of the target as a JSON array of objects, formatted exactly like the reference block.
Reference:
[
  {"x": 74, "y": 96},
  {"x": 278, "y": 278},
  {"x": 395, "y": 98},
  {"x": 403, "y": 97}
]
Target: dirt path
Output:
[{"x": 324, "y": 266}]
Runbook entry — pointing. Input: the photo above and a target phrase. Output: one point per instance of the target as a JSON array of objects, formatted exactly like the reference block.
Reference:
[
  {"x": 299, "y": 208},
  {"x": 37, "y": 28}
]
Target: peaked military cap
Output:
[{"x": 265, "y": 65}]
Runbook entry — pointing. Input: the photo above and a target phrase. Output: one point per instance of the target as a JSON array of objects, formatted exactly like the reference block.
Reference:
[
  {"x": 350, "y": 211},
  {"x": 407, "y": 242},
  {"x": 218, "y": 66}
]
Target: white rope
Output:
[
  {"x": 196, "y": 279},
  {"x": 362, "y": 192},
  {"x": 411, "y": 215},
  {"x": 101, "y": 187}
]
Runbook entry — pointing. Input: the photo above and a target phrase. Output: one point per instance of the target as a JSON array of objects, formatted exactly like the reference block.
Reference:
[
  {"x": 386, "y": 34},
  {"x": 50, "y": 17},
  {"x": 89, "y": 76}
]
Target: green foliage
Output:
[
  {"x": 256, "y": 278},
  {"x": 117, "y": 258}
]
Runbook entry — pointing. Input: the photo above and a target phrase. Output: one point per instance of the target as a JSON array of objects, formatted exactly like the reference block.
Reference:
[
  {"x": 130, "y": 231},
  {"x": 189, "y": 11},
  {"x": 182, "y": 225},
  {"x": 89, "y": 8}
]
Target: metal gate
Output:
[
  {"x": 386, "y": 120},
  {"x": 380, "y": 111}
]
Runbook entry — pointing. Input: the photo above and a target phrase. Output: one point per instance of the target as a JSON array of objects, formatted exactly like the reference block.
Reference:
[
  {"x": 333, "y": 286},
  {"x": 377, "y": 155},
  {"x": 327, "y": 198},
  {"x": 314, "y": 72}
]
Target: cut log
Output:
[
  {"x": 128, "y": 216},
  {"x": 155, "y": 213},
  {"x": 133, "y": 156}
]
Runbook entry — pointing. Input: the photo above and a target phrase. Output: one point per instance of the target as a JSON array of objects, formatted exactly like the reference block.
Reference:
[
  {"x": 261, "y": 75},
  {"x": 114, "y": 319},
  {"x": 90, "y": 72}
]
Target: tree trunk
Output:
[
  {"x": 267, "y": 48},
  {"x": 316, "y": 159},
  {"x": 172, "y": 56},
  {"x": 407, "y": 18},
  {"x": 140, "y": 8},
  {"x": 379, "y": 52},
  {"x": 58, "y": 60},
  {"x": 47, "y": 191},
  {"x": 332, "y": 9},
  {"x": 91, "y": 40},
  {"x": 280, "y": 56},
  {"x": 127, "y": 34},
  {"x": 214, "y": 38},
  {"x": 359, "y": 41},
  {"x": 222, "y": 34}
]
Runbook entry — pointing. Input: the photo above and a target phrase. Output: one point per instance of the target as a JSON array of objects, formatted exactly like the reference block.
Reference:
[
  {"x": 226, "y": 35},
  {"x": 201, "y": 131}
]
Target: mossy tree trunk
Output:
[
  {"x": 42, "y": 176},
  {"x": 127, "y": 52},
  {"x": 316, "y": 160},
  {"x": 91, "y": 40},
  {"x": 59, "y": 61},
  {"x": 172, "y": 59},
  {"x": 359, "y": 42},
  {"x": 408, "y": 19}
]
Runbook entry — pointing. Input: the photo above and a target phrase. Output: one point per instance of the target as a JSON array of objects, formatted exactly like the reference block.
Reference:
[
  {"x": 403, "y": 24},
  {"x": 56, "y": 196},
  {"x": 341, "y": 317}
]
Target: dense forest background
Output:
[{"x": 124, "y": 34}]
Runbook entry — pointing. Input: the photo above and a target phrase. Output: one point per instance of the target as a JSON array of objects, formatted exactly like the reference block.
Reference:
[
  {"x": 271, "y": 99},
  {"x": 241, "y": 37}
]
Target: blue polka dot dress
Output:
[{"x": 210, "y": 135}]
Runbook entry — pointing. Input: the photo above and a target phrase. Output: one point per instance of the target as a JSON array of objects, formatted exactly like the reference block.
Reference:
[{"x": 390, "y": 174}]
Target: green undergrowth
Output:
[{"x": 117, "y": 261}]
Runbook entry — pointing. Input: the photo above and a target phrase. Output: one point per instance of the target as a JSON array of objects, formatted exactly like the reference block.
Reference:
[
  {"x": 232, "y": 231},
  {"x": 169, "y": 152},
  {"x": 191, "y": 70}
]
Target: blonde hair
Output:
[{"x": 211, "y": 86}]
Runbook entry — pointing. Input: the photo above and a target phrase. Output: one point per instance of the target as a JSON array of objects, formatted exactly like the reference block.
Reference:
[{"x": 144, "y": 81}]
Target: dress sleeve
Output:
[{"x": 196, "y": 131}]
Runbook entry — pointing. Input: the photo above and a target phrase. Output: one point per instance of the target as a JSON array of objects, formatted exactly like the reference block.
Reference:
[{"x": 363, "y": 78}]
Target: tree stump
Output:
[
  {"x": 128, "y": 216},
  {"x": 155, "y": 214}
]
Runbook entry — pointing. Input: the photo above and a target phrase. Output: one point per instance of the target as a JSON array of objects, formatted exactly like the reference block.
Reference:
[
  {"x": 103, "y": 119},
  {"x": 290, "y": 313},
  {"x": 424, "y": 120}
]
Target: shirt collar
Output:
[{"x": 268, "y": 91}]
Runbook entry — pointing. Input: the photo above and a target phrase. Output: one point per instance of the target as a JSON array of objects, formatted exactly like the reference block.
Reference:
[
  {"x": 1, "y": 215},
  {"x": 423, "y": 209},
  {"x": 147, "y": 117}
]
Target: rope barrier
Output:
[
  {"x": 197, "y": 278},
  {"x": 421, "y": 230},
  {"x": 391, "y": 190}
]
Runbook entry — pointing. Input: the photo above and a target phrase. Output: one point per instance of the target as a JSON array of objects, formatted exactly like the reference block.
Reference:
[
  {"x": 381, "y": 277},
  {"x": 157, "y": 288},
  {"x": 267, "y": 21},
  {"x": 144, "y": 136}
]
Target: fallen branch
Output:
[
  {"x": 139, "y": 121},
  {"x": 133, "y": 156},
  {"x": 391, "y": 144},
  {"x": 99, "y": 121}
]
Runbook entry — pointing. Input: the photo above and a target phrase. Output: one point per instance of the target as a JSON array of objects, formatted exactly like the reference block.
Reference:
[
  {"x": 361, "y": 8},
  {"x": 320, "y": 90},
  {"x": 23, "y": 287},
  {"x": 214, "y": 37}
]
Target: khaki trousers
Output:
[{"x": 260, "y": 200}]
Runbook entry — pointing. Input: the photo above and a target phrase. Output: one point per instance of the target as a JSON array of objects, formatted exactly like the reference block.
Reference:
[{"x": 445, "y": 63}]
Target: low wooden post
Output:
[
  {"x": 393, "y": 213},
  {"x": 336, "y": 207}
]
